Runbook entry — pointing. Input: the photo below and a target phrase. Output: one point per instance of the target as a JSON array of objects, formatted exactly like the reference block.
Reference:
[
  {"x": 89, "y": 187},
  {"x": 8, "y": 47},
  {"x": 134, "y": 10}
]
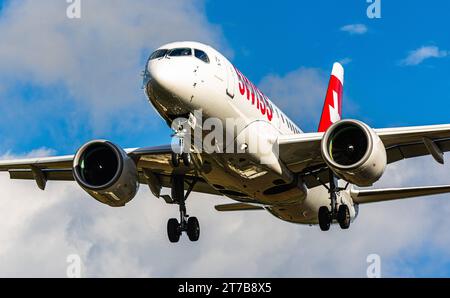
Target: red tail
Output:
[{"x": 332, "y": 109}]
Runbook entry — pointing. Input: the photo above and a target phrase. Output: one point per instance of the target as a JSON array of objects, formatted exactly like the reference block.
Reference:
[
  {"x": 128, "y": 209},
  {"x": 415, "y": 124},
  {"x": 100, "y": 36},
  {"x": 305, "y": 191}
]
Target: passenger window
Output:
[
  {"x": 180, "y": 52},
  {"x": 158, "y": 54},
  {"x": 201, "y": 55}
]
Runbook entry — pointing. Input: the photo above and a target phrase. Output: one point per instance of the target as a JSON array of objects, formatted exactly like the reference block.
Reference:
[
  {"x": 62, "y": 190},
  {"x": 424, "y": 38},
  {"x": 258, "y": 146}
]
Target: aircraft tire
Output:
[
  {"x": 193, "y": 229},
  {"x": 344, "y": 217},
  {"x": 173, "y": 230},
  {"x": 324, "y": 218}
]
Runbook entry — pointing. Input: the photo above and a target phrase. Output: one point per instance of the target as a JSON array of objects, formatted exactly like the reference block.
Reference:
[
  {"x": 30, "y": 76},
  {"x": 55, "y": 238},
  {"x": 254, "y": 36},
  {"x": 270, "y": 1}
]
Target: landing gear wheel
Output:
[
  {"x": 193, "y": 229},
  {"x": 186, "y": 157},
  {"x": 175, "y": 159},
  {"x": 324, "y": 218},
  {"x": 173, "y": 230},
  {"x": 343, "y": 217}
]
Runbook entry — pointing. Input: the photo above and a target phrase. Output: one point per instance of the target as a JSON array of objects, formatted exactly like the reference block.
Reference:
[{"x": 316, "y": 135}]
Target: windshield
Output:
[
  {"x": 180, "y": 52},
  {"x": 158, "y": 54},
  {"x": 201, "y": 55}
]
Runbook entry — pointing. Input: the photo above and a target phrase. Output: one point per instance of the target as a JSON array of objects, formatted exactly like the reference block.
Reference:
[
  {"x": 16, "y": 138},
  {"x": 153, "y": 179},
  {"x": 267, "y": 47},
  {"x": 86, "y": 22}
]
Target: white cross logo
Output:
[{"x": 334, "y": 111}]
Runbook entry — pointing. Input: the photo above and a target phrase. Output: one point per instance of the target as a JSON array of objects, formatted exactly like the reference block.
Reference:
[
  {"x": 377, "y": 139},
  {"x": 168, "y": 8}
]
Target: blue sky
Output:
[
  {"x": 279, "y": 37},
  {"x": 64, "y": 82}
]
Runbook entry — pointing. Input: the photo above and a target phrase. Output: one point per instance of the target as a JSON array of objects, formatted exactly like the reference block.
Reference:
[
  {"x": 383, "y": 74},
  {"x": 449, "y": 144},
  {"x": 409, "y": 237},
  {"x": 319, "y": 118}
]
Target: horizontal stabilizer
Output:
[
  {"x": 237, "y": 207},
  {"x": 381, "y": 195}
]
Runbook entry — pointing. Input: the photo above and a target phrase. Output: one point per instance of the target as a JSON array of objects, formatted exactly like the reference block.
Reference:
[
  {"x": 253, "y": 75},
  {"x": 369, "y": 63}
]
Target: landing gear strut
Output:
[
  {"x": 187, "y": 224},
  {"x": 177, "y": 157},
  {"x": 341, "y": 214},
  {"x": 183, "y": 155}
]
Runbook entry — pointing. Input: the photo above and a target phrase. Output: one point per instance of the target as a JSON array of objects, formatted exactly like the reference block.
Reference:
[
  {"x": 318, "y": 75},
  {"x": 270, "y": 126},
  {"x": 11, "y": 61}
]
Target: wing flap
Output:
[
  {"x": 405, "y": 151},
  {"x": 408, "y": 142},
  {"x": 300, "y": 151},
  {"x": 389, "y": 194},
  {"x": 54, "y": 175}
]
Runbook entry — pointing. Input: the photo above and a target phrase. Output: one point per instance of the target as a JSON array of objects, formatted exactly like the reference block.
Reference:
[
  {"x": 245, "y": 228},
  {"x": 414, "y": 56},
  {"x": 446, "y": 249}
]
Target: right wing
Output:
[{"x": 153, "y": 165}]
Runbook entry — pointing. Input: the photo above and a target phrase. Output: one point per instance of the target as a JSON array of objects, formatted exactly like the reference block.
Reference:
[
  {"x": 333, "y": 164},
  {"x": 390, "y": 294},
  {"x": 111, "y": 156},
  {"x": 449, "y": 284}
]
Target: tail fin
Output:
[{"x": 332, "y": 109}]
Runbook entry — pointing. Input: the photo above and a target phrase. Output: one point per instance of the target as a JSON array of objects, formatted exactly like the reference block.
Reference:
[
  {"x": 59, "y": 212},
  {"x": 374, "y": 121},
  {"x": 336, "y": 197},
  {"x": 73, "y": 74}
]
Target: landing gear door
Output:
[{"x": 231, "y": 80}]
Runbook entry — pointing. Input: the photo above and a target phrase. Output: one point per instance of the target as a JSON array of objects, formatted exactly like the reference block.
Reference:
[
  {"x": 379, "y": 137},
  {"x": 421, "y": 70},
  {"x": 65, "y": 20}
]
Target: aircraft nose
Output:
[
  {"x": 174, "y": 77},
  {"x": 160, "y": 73}
]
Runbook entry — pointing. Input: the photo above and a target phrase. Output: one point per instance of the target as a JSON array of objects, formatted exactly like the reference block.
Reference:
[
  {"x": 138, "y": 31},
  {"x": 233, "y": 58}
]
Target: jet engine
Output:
[
  {"x": 106, "y": 172},
  {"x": 354, "y": 152}
]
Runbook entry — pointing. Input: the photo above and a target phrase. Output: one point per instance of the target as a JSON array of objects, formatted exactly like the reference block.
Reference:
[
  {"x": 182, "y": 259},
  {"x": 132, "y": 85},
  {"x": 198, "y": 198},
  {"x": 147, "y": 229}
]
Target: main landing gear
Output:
[
  {"x": 341, "y": 214},
  {"x": 187, "y": 224}
]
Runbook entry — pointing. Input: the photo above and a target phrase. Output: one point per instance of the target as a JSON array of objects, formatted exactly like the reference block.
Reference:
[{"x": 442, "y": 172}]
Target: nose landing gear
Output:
[
  {"x": 187, "y": 224},
  {"x": 184, "y": 157}
]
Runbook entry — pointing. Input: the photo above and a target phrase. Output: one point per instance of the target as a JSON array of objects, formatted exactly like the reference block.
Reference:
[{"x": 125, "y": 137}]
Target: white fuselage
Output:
[{"x": 179, "y": 86}]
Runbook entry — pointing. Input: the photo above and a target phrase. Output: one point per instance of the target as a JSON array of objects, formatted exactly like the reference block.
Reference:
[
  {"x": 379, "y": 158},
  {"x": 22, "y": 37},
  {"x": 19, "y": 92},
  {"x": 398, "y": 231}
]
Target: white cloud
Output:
[
  {"x": 300, "y": 93},
  {"x": 96, "y": 60},
  {"x": 40, "y": 152},
  {"x": 345, "y": 61},
  {"x": 423, "y": 53},
  {"x": 39, "y": 229},
  {"x": 355, "y": 29}
]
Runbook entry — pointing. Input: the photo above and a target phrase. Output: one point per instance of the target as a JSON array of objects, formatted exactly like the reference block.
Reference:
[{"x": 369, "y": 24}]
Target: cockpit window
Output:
[
  {"x": 180, "y": 52},
  {"x": 201, "y": 55},
  {"x": 158, "y": 54}
]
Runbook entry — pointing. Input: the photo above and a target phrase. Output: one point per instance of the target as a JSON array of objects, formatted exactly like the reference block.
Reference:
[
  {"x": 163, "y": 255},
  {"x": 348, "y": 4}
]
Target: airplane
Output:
[{"x": 318, "y": 178}]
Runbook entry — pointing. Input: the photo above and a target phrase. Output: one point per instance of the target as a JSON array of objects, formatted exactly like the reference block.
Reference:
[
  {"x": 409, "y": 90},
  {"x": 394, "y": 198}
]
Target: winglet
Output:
[{"x": 332, "y": 108}]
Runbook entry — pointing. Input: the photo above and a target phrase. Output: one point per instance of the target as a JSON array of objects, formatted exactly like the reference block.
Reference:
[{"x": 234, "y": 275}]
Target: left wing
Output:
[
  {"x": 302, "y": 152},
  {"x": 408, "y": 142}
]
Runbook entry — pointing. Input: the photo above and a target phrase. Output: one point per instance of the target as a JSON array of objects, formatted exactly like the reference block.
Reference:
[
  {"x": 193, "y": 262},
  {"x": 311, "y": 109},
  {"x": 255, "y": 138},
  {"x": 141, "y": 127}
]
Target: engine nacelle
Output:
[
  {"x": 354, "y": 152},
  {"x": 106, "y": 172}
]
